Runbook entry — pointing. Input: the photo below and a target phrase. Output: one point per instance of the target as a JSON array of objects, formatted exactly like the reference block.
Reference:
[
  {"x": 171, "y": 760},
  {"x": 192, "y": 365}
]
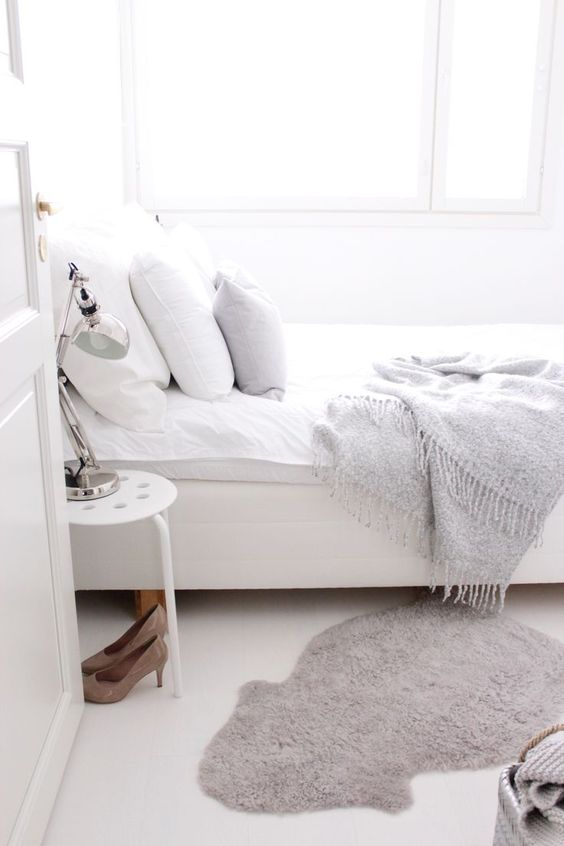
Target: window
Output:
[
  {"x": 491, "y": 105},
  {"x": 326, "y": 105}
]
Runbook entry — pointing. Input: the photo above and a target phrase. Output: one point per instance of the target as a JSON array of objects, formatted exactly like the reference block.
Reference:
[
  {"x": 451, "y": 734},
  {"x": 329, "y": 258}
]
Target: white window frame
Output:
[
  {"x": 430, "y": 207},
  {"x": 13, "y": 58},
  {"x": 530, "y": 203}
]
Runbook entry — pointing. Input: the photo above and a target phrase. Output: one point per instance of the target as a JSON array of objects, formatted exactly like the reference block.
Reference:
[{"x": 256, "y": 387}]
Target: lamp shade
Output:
[{"x": 104, "y": 336}]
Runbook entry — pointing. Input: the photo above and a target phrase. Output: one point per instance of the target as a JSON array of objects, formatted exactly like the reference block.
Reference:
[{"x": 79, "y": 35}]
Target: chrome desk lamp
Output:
[{"x": 98, "y": 334}]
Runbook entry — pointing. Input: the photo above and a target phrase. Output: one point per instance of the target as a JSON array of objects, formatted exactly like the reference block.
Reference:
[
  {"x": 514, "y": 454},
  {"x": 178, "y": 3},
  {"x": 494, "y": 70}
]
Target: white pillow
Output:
[
  {"x": 129, "y": 391},
  {"x": 252, "y": 328},
  {"x": 193, "y": 243},
  {"x": 169, "y": 291}
]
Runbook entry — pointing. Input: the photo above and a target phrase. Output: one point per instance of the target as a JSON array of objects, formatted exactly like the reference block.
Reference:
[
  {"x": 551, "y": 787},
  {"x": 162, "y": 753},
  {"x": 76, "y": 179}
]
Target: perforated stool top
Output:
[{"x": 140, "y": 495}]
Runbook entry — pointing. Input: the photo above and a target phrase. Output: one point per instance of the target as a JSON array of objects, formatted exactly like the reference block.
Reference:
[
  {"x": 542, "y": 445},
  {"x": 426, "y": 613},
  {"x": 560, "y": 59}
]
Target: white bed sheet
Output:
[{"x": 245, "y": 438}]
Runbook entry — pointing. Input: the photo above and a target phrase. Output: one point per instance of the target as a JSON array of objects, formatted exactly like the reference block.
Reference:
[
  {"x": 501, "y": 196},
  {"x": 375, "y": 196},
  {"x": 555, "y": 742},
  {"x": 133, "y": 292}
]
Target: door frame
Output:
[{"x": 27, "y": 337}]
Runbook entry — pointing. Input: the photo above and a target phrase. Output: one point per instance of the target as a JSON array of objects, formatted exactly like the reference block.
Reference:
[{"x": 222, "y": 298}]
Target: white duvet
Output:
[{"x": 254, "y": 439}]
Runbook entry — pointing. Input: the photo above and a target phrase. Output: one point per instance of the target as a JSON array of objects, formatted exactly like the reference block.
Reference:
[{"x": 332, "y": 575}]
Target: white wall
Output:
[
  {"x": 406, "y": 275},
  {"x": 315, "y": 274},
  {"x": 72, "y": 68},
  {"x": 431, "y": 275}
]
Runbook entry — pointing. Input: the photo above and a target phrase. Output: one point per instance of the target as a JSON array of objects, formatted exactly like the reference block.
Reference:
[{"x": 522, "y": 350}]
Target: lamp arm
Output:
[
  {"x": 62, "y": 339},
  {"x": 77, "y": 436}
]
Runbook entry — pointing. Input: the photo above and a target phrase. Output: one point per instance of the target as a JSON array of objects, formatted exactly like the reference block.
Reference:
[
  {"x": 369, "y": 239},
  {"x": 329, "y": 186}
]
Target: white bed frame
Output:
[{"x": 264, "y": 535}]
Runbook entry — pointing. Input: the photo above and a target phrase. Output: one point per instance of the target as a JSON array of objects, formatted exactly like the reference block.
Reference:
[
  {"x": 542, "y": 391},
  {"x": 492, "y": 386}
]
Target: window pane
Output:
[
  {"x": 282, "y": 99},
  {"x": 491, "y": 98}
]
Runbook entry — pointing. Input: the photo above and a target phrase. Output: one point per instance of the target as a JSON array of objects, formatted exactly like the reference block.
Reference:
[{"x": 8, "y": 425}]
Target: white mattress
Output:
[{"x": 245, "y": 438}]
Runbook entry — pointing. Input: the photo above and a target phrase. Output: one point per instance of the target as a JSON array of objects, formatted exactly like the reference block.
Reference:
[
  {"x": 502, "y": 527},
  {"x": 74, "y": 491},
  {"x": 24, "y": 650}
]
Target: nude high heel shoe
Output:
[
  {"x": 115, "y": 682},
  {"x": 153, "y": 622}
]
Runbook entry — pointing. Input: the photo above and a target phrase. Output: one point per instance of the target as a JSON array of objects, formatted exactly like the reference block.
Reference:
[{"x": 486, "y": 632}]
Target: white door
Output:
[{"x": 40, "y": 685}]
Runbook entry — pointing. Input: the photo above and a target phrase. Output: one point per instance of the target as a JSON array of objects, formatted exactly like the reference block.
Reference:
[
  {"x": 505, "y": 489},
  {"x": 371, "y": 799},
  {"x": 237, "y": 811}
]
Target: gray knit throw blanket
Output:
[{"x": 463, "y": 452}]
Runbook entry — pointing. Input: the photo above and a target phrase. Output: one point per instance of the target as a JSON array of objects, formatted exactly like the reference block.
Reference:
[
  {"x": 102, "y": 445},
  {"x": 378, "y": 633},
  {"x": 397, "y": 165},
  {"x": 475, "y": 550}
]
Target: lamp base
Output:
[{"x": 90, "y": 483}]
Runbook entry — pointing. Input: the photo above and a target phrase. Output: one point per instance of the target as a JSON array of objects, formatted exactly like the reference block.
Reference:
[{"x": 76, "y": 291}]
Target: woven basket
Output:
[{"x": 508, "y": 831}]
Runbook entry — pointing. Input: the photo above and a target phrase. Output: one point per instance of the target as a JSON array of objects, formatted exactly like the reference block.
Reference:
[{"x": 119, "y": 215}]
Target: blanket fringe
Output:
[
  {"x": 483, "y": 501},
  {"x": 371, "y": 510},
  {"x": 408, "y": 530},
  {"x": 484, "y": 596}
]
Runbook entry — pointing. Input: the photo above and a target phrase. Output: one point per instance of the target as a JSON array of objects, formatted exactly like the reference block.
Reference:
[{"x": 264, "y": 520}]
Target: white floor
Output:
[{"x": 131, "y": 779}]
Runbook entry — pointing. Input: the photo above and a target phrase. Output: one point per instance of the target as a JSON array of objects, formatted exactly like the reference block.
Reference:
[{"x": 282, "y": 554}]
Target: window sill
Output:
[{"x": 398, "y": 219}]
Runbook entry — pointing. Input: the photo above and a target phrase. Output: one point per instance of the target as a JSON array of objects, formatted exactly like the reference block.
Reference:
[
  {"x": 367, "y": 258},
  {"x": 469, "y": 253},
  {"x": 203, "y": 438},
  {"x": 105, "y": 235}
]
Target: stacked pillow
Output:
[
  {"x": 168, "y": 288},
  {"x": 129, "y": 391},
  {"x": 252, "y": 328},
  {"x": 209, "y": 329}
]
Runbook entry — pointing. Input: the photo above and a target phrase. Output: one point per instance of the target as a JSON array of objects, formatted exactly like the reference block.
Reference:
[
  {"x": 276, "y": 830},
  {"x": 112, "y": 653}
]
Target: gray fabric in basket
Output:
[
  {"x": 521, "y": 825},
  {"x": 540, "y": 784}
]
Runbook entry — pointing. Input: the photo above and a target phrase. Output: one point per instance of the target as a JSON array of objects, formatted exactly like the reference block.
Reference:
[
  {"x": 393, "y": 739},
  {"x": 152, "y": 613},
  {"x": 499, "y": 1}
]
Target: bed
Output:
[{"x": 250, "y": 513}]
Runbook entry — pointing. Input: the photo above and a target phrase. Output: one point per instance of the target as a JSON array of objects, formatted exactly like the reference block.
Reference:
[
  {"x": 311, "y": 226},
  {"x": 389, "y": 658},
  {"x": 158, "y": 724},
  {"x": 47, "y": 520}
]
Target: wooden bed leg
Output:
[{"x": 145, "y": 599}]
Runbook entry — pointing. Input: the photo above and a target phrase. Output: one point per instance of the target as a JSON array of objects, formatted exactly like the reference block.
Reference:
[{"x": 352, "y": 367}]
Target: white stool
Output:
[{"x": 141, "y": 496}]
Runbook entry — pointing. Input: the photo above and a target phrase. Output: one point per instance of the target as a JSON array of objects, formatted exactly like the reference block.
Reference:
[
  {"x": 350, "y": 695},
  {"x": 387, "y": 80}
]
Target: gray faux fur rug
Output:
[{"x": 379, "y": 698}]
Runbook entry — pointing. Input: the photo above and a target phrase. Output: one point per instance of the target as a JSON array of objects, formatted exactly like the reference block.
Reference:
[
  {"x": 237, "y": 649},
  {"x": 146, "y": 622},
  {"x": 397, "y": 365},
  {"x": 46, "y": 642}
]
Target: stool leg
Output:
[{"x": 168, "y": 579}]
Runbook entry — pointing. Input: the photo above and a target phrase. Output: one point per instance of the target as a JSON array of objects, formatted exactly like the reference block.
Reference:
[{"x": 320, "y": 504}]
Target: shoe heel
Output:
[{"x": 159, "y": 672}]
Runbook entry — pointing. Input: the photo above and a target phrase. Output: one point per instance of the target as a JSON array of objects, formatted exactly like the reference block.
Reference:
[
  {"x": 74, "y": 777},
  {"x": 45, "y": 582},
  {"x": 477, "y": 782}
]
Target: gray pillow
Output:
[{"x": 253, "y": 331}]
